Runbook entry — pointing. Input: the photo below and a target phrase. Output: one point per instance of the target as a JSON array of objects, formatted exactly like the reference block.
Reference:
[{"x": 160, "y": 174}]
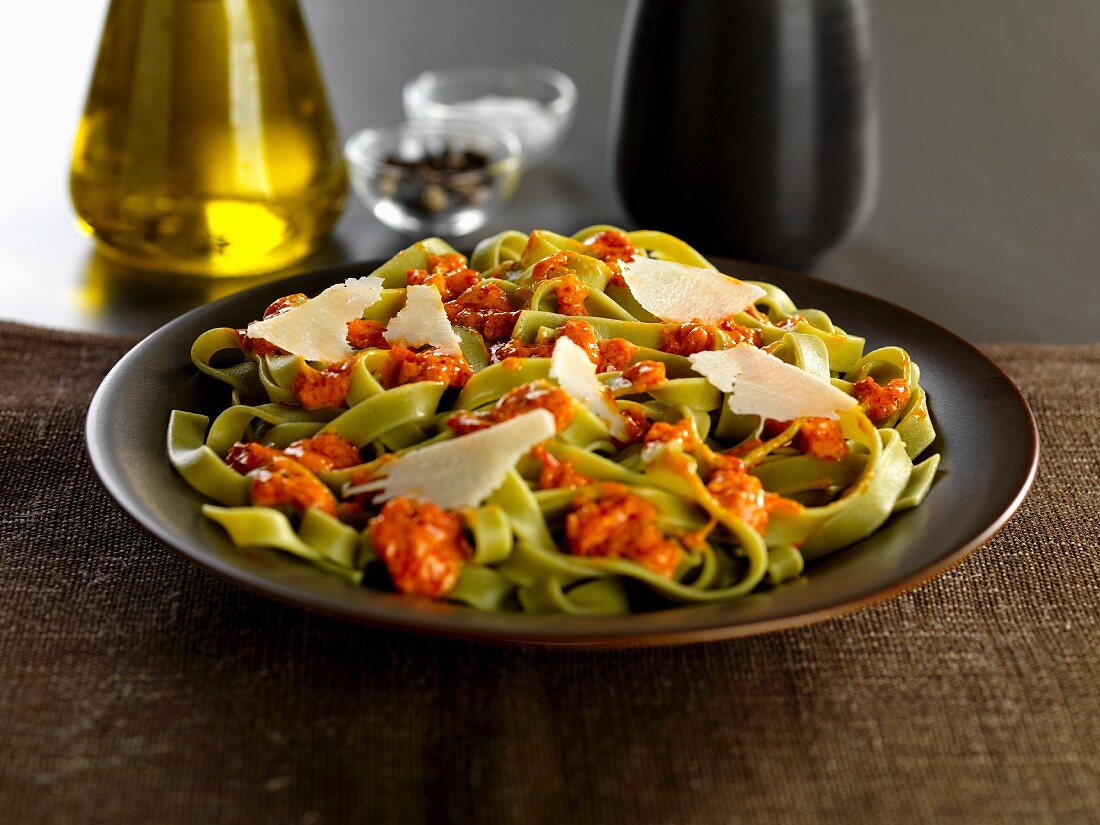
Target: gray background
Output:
[{"x": 989, "y": 210}]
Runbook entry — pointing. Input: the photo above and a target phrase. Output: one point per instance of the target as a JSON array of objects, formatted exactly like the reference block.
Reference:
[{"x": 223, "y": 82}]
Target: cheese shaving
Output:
[
  {"x": 575, "y": 373},
  {"x": 423, "y": 320},
  {"x": 317, "y": 329},
  {"x": 464, "y": 471},
  {"x": 761, "y": 384},
  {"x": 680, "y": 293}
]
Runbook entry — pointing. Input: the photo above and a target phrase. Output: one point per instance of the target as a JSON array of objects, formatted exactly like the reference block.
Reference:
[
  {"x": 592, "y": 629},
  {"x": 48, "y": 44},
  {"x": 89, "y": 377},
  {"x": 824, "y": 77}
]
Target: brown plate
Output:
[{"x": 987, "y": 438}]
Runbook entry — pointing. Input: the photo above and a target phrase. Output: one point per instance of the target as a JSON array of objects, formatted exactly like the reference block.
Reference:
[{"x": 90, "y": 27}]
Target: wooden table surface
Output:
[{"x": 988, "y": 218}]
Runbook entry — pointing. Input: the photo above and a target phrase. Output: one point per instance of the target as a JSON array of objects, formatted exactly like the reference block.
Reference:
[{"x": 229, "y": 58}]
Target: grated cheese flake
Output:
[
  {"x": 463, "y": 471},
  {"x": 761, "y": 384},
  {"x": 575, "y": 373},
  {"x": 423, "y": 320},
  {"x": 317, "y": 329},
  {"x": 680, "y": 293}
]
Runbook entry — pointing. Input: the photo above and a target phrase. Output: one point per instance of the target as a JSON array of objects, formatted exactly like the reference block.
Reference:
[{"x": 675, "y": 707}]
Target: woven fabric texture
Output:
[{"x": 135, "y": 688}]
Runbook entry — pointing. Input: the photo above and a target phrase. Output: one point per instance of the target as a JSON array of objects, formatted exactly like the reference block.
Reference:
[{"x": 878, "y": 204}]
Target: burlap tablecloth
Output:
[{"x": 136, "y": 688}]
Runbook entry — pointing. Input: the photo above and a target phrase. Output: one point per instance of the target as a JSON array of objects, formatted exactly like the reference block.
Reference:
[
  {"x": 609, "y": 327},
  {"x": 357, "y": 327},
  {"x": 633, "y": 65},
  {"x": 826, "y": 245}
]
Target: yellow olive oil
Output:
[{"x": 207, "y": 145}]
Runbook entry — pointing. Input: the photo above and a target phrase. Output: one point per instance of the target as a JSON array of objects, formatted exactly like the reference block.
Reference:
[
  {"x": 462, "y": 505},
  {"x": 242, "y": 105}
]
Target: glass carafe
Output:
[{"x": 207, "y": 145}]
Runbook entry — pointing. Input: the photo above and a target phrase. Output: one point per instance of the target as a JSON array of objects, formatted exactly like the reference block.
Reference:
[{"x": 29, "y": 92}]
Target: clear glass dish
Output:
[
  {"x": 436, "y": 201},
  {"x": 536, "y": 102}
]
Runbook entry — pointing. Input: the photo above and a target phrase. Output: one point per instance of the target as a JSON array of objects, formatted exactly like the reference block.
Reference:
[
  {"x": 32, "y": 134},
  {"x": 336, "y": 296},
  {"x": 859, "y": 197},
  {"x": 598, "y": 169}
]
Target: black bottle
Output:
[{"x": 747, "y": 127}]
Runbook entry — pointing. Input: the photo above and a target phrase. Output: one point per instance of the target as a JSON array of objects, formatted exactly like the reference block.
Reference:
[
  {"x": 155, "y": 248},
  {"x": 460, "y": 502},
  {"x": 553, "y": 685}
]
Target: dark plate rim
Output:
[{"x": 712, "y": 631}]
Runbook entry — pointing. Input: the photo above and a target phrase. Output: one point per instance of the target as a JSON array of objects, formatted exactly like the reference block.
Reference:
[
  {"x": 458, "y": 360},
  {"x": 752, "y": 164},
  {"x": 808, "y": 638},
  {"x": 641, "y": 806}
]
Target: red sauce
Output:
[
  {"x": 743, "y": 494},
  {"x": 645, "y": 374},
  {"x": 693, "y": 337},
  {"x": 611, "y": 247},
  {"x": 482, "y": 296},
  {"x": 281, "y": 305},
  {"x": 506, "y": 351},
  {"x": 822, "y": 438},
  {"x": 558, "y": 473},
  {"x": 615, "y": 354},
  {"x": 571, "y": 293},
  {"x": 583, "y": 334},
  {"x": 422, "y": 546},
  {"x": 688, "y": 339},
  {"x": 616, "y": 523},
  {"x": 680, "y": 434},
  {"x": 244, "y": 457},
  {"x": 740, "y": 334},
  {"x": 881, "y": 402},
  {"x": 498, "y": 326},
  {"x": 636, "y": 426},
  {"x": 283, "y": 482},
  {"x": 319, "y": 454},
  {"x": 552, "y": 266},
  {"x": 534, "y": 395},
  {"x": 606, "y": 354},
  {"x": 422, "y": 277},
  {"x": 447, "y": 273},
  {"x": 327, "y": 387},
  {"x": 323, "y": 453},
  {"x": 365, "y": 334},
  {"x": 739, "y": 492},
  {"x": 258, "y": 346},
  {"x": 404, "y": 366},
  {"x": 483, "y": 307}
]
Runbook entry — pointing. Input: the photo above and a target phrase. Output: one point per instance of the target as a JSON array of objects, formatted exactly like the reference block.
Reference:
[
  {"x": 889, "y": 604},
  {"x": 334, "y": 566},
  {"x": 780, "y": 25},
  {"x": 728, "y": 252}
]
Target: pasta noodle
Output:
[{"x": 697, "y": 504}]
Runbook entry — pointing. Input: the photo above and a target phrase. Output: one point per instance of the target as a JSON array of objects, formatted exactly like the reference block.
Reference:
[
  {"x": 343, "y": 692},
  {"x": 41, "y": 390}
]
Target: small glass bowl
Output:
[
  {"x": 433, "y": 201},
  {"x": 536, "y": 102}
]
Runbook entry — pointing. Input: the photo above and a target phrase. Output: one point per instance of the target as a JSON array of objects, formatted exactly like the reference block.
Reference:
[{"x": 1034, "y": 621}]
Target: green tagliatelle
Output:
[{"x": 520, "y": 558}]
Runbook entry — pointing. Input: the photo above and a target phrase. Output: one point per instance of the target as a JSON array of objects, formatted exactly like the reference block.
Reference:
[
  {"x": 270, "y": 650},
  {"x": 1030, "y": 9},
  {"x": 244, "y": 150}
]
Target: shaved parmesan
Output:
[
  {"x": 423, "y": 320},
  {"x": 761, "y": 384},
  {"x": 464, "y": 471},
  {"x": 317, "y": 330},
  {"x": 575, "y": 373},
  {"x": 680, "y": 293}
]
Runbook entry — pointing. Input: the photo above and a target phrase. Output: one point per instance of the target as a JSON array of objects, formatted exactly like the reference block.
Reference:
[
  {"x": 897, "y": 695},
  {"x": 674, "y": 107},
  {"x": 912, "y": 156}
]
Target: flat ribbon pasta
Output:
[{"x": 516, "y": 558}]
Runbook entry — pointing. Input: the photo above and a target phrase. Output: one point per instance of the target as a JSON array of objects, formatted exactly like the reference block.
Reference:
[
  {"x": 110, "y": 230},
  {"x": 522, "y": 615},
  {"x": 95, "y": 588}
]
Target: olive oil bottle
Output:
[{"x": 207, "y": 145}]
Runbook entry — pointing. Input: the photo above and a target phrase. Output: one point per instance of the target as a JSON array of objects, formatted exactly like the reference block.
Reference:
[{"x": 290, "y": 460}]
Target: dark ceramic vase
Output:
[{"x": 748, "y": 127}]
